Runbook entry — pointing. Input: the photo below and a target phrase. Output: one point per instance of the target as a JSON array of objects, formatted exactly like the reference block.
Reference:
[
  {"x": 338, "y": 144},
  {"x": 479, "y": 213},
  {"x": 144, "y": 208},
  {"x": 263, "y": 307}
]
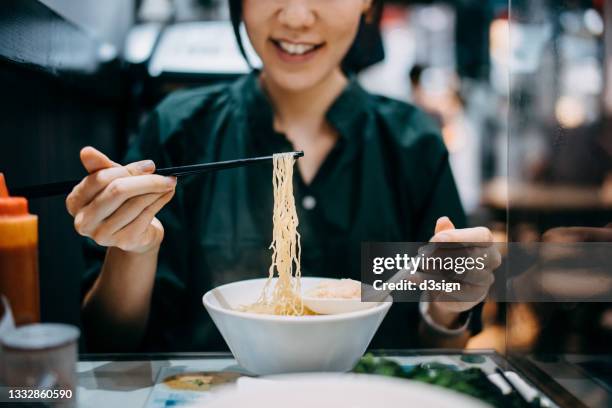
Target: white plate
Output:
[{"x": 340, "y": 391}]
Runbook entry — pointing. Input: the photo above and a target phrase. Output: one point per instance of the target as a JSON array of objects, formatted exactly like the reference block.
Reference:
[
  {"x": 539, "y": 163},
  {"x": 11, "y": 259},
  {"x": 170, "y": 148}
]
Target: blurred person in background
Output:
[{"x": 375, "y": 169}]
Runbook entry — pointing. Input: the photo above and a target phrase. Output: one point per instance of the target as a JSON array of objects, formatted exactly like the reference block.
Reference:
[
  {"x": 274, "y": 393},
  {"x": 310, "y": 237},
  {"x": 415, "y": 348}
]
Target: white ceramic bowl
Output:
[{"x": 266, "y": 344}]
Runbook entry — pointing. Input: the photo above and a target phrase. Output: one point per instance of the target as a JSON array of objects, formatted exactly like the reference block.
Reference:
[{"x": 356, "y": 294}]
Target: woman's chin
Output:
[{"x": 294, "y": 81}]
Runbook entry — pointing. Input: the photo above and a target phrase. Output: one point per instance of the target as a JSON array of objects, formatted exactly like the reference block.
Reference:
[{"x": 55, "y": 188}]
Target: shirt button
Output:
[{"x": 309, "y": 202}]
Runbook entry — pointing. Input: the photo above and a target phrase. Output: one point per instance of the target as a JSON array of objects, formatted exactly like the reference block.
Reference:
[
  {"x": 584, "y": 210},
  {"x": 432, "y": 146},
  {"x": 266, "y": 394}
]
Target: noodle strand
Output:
[{"x": 285, "y": 298}]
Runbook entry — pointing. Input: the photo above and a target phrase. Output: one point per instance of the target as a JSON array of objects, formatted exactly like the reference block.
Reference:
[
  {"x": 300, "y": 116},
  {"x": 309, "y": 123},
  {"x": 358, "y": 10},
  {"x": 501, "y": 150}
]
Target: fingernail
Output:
[
  {"x": 146, "y": 165},
  {"x": 171, "y": 181}
]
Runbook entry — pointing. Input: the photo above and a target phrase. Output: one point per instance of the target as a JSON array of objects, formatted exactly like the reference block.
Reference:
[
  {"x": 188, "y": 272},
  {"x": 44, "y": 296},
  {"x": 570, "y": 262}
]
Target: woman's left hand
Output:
[{"x": 445, "y": 308}]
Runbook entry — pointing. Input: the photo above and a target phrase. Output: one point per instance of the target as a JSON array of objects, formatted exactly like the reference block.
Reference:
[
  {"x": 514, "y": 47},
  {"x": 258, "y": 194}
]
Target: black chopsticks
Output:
[{"x": 65, "y": 187}]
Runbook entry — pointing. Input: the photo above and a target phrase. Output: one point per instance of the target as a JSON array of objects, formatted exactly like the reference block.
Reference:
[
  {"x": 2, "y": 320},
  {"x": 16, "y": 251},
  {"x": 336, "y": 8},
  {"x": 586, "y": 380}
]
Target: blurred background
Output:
[{"x": 522, "y": 92}]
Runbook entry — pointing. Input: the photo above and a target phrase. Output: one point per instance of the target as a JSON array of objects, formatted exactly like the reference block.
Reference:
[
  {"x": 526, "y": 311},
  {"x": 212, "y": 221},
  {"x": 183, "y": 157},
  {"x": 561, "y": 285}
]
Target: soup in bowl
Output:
[{"x": 269, "y": 344}]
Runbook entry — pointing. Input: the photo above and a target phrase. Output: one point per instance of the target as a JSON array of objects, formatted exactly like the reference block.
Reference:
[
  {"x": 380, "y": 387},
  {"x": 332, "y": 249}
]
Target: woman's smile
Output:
[{"x": 295, "y": 51}]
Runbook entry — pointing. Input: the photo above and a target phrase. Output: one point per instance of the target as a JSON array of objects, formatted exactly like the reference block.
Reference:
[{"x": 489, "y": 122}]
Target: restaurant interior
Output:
[{"x": 521, "y": 90}]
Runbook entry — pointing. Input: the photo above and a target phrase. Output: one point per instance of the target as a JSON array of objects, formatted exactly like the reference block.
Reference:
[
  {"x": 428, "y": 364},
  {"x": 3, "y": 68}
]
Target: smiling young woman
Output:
[
  {"x": 375, "y": 169},
  {"x": 302, "y": 45}
]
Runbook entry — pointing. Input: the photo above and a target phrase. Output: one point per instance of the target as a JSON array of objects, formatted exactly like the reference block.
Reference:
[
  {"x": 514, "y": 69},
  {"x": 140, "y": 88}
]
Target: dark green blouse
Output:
[{"x": 387, "y": 179}]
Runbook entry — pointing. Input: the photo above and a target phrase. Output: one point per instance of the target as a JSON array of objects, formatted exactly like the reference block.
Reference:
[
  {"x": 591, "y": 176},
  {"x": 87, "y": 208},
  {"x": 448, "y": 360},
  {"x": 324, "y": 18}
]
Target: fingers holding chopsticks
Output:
[
  {"x": 117, "y": 194},
  {"x": 116, "y": 205},
  {"x": 102, "y": 171}
]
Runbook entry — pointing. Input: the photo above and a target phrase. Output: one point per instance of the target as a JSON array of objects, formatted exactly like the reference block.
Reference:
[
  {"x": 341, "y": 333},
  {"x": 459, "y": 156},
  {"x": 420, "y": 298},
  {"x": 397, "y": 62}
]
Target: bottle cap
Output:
[{"x": 11, "y": 205}]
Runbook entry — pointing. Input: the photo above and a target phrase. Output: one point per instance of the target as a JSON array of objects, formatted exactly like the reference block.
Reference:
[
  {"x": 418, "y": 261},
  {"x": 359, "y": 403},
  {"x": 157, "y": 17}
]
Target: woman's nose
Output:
[{"x": 297, "y": 14}]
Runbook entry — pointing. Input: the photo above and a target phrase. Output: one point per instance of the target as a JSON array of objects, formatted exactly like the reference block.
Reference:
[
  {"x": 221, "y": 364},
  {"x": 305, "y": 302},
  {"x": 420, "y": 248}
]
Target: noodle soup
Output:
[
  {"x": 263, "y": 339},
  {"x": 265, "y": 343}
]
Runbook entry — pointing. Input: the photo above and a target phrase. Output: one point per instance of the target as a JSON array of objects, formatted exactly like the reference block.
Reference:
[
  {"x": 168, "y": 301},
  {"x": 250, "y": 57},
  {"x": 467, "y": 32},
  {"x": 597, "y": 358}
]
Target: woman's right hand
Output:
[{"x": 116, "y": 205}]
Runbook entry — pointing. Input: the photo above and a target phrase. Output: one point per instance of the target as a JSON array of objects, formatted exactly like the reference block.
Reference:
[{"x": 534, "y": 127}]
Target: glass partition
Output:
[{"x": 559, "y": 194}]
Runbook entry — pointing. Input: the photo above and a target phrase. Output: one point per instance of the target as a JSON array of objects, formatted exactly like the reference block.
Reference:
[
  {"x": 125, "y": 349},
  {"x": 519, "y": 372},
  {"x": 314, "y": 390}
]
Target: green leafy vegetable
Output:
[{"x": 472, "y": 381}]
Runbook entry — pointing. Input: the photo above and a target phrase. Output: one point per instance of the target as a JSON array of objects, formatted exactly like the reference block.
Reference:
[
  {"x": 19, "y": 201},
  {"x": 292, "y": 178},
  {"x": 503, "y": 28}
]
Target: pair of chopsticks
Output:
[{"x": 65, "y": 187}]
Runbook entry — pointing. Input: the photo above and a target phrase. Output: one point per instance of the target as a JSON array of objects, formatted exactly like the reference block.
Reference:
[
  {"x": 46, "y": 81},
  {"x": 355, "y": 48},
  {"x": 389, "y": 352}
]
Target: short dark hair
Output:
[{"x": 365, "y": 51}]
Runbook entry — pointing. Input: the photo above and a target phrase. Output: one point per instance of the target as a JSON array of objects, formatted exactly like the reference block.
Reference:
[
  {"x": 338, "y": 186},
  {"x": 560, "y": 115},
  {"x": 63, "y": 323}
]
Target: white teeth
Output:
[{"x": 296, "y": 49}]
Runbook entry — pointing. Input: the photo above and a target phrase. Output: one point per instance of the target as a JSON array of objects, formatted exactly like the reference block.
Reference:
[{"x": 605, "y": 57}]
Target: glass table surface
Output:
[{"x": 138, "y": 380}]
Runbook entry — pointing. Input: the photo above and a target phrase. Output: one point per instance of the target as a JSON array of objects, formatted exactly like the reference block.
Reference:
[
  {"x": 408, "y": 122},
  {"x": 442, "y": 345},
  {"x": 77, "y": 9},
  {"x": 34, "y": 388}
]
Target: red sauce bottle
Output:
[{"x": 19, "y": 257}]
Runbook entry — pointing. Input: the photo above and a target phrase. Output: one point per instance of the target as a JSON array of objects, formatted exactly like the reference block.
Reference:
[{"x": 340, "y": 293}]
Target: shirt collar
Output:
[{"x": 347, "y": 113}]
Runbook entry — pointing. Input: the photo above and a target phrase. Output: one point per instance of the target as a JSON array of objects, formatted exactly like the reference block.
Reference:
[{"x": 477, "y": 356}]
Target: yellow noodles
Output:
[{"x": 285, "y": 298}]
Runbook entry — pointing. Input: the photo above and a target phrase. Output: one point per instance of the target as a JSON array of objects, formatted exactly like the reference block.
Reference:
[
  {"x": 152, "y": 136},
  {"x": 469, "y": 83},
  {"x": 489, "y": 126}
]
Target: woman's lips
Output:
[{"x": 295, "y": 52}]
